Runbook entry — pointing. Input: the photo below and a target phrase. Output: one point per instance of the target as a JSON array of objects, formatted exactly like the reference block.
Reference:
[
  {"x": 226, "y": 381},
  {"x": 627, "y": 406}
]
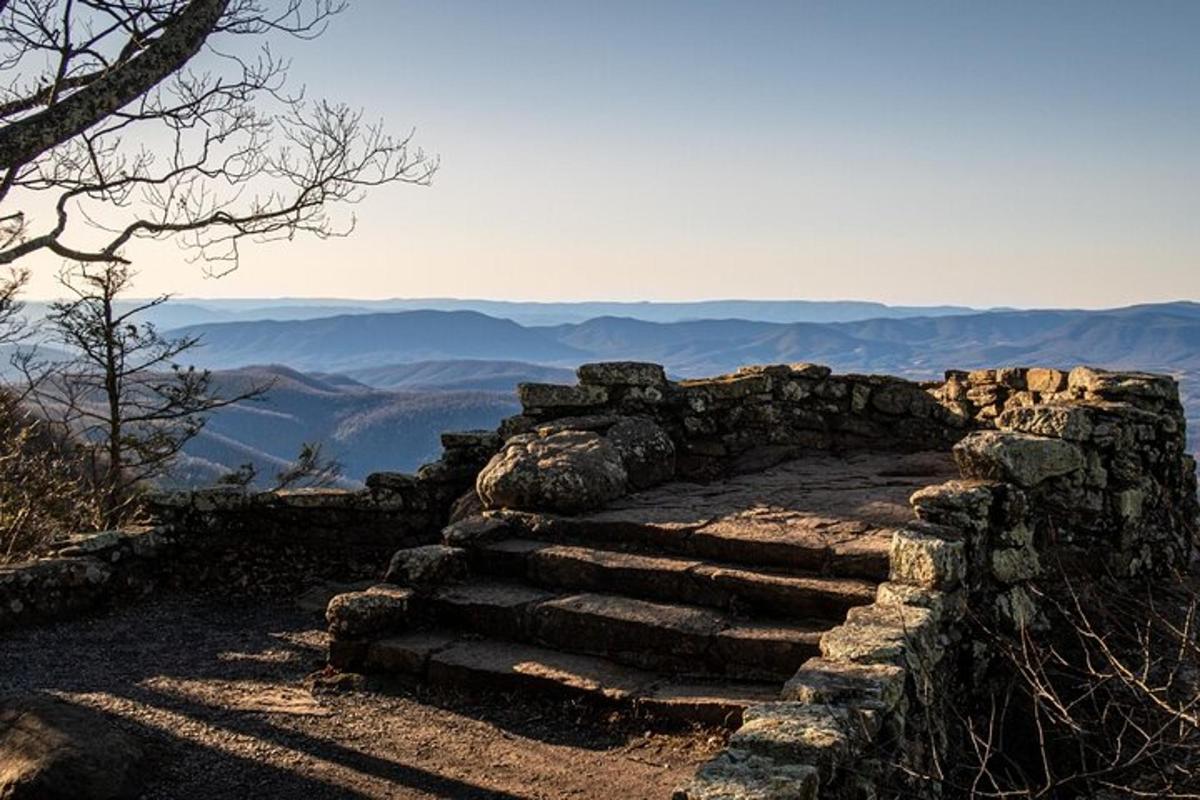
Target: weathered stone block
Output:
[
  {"x": 823, "y": 682},
  {"x": 942, "y": 604},
  {"x": 427, "y": 566},
  {"x": 922, "y": 559},
  {"x": 551, "y": 395},
  {"x": 1123, "y": 385},
  {"x": 1017, "y": 608},
  {"x": 391, "y": 482},
  {"x": 1023, "y": 459},
  {"x": 1073, "y": 423},
  {"x": 962, "y": 505},
  {"x": 477, "y": 439},
  {"x": 797, "y": 733},
  {"x": 740, "y": 775},
  {"x": 885, "y": 634},
  {"x": 380, "y": 609},
  {"x": 731, "y": 387},
  {"x": 476, "y": 530},
  {"x": 1046, "y": 381},
  {"x": 1015, "y": 564},
  {"x": 621, "y": 373}
]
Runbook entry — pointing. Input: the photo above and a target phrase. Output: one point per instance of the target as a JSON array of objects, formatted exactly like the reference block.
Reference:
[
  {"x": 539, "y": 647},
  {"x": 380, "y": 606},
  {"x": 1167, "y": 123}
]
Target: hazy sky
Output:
[{"x": 1040, "y": 153}]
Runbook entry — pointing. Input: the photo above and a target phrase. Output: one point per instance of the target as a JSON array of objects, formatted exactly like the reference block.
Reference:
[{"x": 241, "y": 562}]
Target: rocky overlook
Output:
[{"x": 799, "y": 557}]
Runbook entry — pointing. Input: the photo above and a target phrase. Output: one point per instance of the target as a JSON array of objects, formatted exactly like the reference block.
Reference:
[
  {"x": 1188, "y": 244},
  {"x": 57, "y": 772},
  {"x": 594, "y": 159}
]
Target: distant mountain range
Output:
[
  {"x": 183, "y": 312},
  {"x": 370, "y": 346},
  {"x": 473, "y": 360},
  {"x": 366, "y": 429},
  {"x": 377, "y": 388}
]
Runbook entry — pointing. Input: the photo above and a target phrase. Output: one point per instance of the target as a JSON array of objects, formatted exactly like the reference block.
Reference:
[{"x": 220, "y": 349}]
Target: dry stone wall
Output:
[
  {"x": 1086, "y": 467},
  {"x": 752, "y": 418},
  {"x": 261, "y": 541}
]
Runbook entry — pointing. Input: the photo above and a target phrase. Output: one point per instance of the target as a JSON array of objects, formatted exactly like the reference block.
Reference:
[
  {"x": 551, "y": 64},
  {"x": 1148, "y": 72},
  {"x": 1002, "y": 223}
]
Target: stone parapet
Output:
[
  {"x": 743, "y": 421},
  {"x": 259, "y": 541}
]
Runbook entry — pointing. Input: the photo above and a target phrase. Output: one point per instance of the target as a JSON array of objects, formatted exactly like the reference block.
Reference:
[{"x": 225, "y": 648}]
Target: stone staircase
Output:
[{"x": 686, "y": 602}]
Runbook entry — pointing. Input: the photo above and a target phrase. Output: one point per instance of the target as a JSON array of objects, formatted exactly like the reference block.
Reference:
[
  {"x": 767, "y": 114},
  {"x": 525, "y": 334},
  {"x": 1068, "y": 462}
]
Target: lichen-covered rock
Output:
[
  {"x": 926, "y": 560},
  {"x": 1015, "y": 564},
  {"x": 798, "y": 733},
  {"x": 550, "y": 395},
  {"x": 952, "y": 605},
  {"x": 1122, "y": 385},
  {"x": 622, "y": 373},
  {"x": 476, "y": 530},
  {"x": 1073, "y": 423},
  {"x": 823, "y": 682},
  {"x": 1017, "y": 608},
  {"x": 568, "y": 472},
  {"x": 1021, "y": 458},
  {"x": 739, "y": 775},
  {"x": 427, "y": 566},
  {"x": 646, "y": 450},
  {"x": 380, "y": 609},
  {"x": 961, "y": 505},
  {"x": 467, "y": 505},
  {"x": 885, "y": 634},
  {"x": 53, "y": 750}
]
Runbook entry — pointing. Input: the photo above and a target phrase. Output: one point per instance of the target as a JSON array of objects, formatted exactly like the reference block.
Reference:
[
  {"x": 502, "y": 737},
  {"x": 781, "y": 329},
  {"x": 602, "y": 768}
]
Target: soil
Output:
[{"x": 220, "y": 689}]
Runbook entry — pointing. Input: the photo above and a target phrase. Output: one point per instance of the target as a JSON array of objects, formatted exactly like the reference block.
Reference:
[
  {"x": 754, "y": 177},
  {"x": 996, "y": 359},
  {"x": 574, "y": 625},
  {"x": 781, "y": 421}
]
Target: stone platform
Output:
[{"x": 687, "y": 602}]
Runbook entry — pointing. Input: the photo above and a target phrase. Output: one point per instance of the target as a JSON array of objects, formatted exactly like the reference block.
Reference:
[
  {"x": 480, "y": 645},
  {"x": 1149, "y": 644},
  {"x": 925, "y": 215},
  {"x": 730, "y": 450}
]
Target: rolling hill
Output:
[
  {"x": 349, "y": 341},
  {"x": 434, "y": 351},
  {"x": 366, "y": 429},
  {"x": 460, "y": 374}
]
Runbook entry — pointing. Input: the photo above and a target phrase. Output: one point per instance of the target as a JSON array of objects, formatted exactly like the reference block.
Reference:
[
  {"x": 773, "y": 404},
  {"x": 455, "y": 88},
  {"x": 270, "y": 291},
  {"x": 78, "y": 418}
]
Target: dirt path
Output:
[{"x": 217, "y": 688}]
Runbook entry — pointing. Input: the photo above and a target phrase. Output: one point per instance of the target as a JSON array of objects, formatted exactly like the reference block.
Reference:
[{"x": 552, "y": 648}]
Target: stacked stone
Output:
[
  {"x": 80, "y": 573},
  {"x": 394, "y": 509},
  {"x": 1088, "y": 461},
  {"x": 744, "y": 421},
  {"x": 1104, "y": 462},
  {"x": 228, "y": 536}
]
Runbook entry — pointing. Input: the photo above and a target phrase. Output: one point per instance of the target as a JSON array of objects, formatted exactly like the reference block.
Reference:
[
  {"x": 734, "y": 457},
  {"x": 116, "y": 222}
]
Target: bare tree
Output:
[
  {"x": 12, "y": 324},
  {"x": 1102, "y": 701},
  {"x": 312, "y": 469},
  {"x": 85, "y": 84},
  {"x": 123, "y": 395},
  {"x": 43, "y": 483}
]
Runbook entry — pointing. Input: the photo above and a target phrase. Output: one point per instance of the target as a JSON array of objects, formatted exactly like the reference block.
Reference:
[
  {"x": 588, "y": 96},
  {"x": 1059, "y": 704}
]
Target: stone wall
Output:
[
  {"x": 1087, "y": 469},
  {"x": 756, "y": 416},
  {"x": 259, "y": 541}
]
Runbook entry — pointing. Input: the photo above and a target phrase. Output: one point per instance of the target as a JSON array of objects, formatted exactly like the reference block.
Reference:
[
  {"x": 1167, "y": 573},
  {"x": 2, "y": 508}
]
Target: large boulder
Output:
[
  {"x": 564, "y": 471},
  {"x": 53, "y": 750}
]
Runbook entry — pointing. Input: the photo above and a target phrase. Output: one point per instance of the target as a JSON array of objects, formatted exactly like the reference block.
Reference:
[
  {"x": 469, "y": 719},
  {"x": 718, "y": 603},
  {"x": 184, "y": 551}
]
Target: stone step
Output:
[
  {"x": 502, "y": 666},
  {"x": 680, "y": 579},
  {"x": 823, "y": 545},
  {"x": 675, "y": 638}
]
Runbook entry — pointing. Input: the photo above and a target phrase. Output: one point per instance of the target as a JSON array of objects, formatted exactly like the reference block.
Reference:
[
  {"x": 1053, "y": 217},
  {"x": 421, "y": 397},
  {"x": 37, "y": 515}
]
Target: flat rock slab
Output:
[
  {"x": 491, "y": 666},
  {"x": 601, "y": 624},
  {"x": 775, "y": 591},
  {"x": 822, "y": 512},
  {"x": 54, "y": 750},
  {"x": 494, "y": 607}
]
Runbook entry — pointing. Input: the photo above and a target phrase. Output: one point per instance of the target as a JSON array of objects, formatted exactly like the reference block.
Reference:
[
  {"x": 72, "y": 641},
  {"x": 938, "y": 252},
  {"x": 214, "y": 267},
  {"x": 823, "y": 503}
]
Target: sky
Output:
[{"x": 1017, "y": 153}]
